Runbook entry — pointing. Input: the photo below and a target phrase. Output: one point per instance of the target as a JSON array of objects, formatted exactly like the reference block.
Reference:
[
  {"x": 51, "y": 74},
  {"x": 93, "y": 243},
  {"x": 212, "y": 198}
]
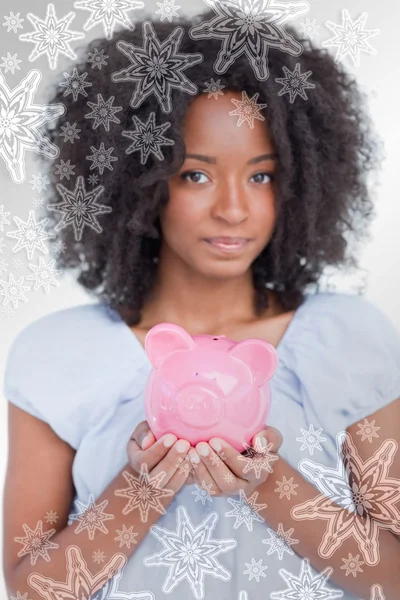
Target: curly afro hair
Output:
[{"x": 325, "y": 148}]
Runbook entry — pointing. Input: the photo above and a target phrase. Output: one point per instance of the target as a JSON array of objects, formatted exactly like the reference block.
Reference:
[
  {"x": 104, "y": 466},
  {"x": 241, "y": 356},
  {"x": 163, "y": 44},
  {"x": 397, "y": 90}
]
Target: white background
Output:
[{"x": 378, "y": 75}]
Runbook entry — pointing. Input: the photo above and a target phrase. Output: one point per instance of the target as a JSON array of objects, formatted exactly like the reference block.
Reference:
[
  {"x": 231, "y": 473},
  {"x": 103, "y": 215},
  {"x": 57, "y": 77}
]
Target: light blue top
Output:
[{"x": 83, "y": 371}]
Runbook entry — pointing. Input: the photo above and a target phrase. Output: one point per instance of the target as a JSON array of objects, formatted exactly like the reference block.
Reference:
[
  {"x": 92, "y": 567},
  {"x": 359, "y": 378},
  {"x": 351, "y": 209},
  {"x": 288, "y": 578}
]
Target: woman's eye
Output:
[
  {"x": 191, "y": 174},
  {"x": 269, "y": 175}
]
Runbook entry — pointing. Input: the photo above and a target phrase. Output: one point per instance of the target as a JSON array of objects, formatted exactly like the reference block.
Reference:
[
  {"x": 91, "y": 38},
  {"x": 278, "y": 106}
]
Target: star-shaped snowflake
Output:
[
  {"x": 144, "y": 492},
  {"x": 247, "y": 109},
  {"x": 13, "y": 22},
  {"x": 19, "y": 597},
  {"x": 101, "y": 158},
  {"x": 368, "y": 430},
  {"x": 295, "y": 83},
  {"x": 3, "y": 217},
  {"x": 30, "y": 235},
  {"x": 80, "y": 583},
  {"x": 103, "y": 112},
  {"x": 203, "y": 492},
  {"x": 7, "y": 312},
  {"x": 311, "y": 439},
  {"x": 98, "y": 556},
  {"x": 3, "y": 265},
  {"x": 36, "y": 542},
  {"x": 286, "y": 488},
  {"x": 98, "y": 59},
  {"x": 91, "y": 517},
  {"x": 44, "y": 275},
  {"x": 148, "y": 138},
  {"x": 250, "y": 28},
  {"x": 157, "y": 67},
  {"x": 352, "y": 565},
  {"x": 109, "y": 13},
  {"x": 356, "y": 498},
  {"x": 245, "y": 510},
  {"x": 190, "y": 553},
  {"x": 17, "y": 263},
  {"x": 167, "y": 10},
  {"x": 21, "y": 122},
  {"x": 75, "y": 84},
  {"x": 111, "y": 592},
  {"x": 309, "y": 29},
  {"x": 126, "y": 536},
  {"x": 93, "y": 179},
  {"x": 280, "y": 541},
  {"x": 306, "y": 585},
  {"x": 350, "y": 37},
  {"x": 10, "y": 63},
  {"x": 214, "y": 88},
  {"x": 79, "y": 208},
  {"x": 60, "y": 247},
  {"x": 51, "y": 36},
  {"x": 39, "y": 182},
  {"x": 13, "y": 291},
  {"x": 51, "y": 517},
  {"x": 255, "y": 570},
  {"x": 70, "y": 132},
  {"x": 258, "y": 458},
  {"x": 65, "y": 169}
]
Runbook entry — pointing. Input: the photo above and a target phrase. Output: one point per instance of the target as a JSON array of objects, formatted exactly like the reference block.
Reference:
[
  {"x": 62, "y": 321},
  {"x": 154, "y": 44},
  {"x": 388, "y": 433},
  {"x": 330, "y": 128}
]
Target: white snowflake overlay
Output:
[
  {"x": 295, "y": 83},
  {"x": 101, "y": 158},
  {"x": 20, "y": 123},
  {"x": 190, "y": 553},
  {"x": 13, "y": 291},
  {"x": 110, "y": 591},
  {"x": 167, "y": 10},
  {"x": 306, "y": 586},
  {"x": 246, "y": 510},
  {"x": 79, "y": 208},
  {"x": 247, "y": 109},
  {"x": 13, "y": 22},
  {"x": 157, "y": 67},
  {"x": 311, "y": 439},
  {"x": 44, "y": 275},
  {"x": 51, "y": 36},
  {"x": 103, "y": 112},
  {"x": 30, "y": 235},
  {"x": 109, "y": 13},
  {"x": 351, "y": 37},
  {"x": 280, "y": 541},
  {"x": 250, "y": 28},
  {"x": 75, "y": 84},
  {"x": 148, "y": 138}
]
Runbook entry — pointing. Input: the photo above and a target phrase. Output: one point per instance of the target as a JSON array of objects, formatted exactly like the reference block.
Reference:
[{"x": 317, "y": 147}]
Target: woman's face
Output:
[{"x": 217, "y": 192}]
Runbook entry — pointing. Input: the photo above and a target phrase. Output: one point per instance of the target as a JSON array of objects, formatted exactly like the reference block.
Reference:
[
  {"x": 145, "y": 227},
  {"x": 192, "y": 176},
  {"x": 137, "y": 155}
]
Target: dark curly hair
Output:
[{"x": 325, "y": 147}]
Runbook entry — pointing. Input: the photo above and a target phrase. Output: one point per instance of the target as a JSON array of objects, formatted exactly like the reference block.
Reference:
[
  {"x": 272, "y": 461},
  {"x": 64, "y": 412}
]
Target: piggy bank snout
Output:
[{"x": 198, "y": 405}]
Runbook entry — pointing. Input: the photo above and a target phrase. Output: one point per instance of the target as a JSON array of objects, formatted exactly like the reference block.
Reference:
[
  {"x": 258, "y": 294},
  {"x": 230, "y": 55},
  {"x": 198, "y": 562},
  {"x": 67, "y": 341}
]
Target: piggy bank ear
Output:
[
  {"x": 164, "y": 338},
  {"x": 259, "y": 356}
]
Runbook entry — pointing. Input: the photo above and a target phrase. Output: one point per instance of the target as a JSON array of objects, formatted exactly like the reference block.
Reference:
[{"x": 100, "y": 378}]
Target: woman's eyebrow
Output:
[{"x": 212, "y": 159}]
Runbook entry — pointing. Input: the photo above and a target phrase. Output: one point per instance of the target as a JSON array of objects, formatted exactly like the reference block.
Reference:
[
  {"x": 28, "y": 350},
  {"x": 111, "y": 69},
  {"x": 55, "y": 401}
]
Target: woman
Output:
[{"x": 113, "y": 513}]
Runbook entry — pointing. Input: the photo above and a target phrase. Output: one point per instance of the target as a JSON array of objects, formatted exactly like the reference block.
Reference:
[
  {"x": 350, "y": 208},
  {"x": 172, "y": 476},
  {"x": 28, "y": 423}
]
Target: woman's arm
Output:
[{"x": 39, "y": 484}]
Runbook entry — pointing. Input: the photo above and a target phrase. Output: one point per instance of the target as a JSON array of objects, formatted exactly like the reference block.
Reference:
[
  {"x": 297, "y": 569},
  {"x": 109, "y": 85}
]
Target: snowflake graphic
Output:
[
  {"x": 20, "y": 123},
  {"x": 228, "y": 477},
  {"x": 255, "y": 570},
  {"x": 80, "y": 583},
  {"x": 144, "y": 492},
  {"x": 350, "y": 37},
  {"x": 51, "y": 36},
  {"x": 186, "y": 466},
  {"x": 30, "y": 235},
  {"x": 250, "y": 28},
  {"x": 51, "y": 517},
  {"x": 203, "y": 492},
  {"x": 103, "y": 113},
  {"x": 286, "y": 488},
  {"x": 3, "y": 217},
  {"x": 70, "y": 132},
  {"x": 79, "y": 207},
  {"x": 7, "y": 312},
  {"x": 258, "y": 458},
  {"x": 243, "y": 595},
  {"x": 245, "y": 510},
  {"x": 126, "y": 536},
  {"x": 248, "y": 109},
  {"x": 110, "y": 592},
  {"x": 39, "y": 182},
  {"x": 157, "y": 67},
  {"x": 93, "y": 179},
  {"x": 109, "y": 12},
  {"x": 10, "y": 63},
  {"x": 352, "y": 564},
  {"x": 2, "y": 245},
  {"x": 101, "y": 158},
  {"x": 3, "y": 265},
  {"x": 65, "y": 169},
  {"x": 214, "y": 88},
  {"x": 368, "y": 430},
  {"x": 217, "y": 459},
  {"x": 13, "y": 22},
  {"x": 306, "y": 584},
  {"x": 167, "y": 10},
  {"x": 148, "y": 138},
  {"x": 190, "y": 553},
  {"x": 75, "y": 84},
  {"x": 311, "y": 439},
  {"x": 13, "y": 291},
  {"x": 97, "y": 59},
  {"x": 356, "y": 498},
  {"x": 295, "y": 83},
  {"x": 36, "y": 542},
  {"x": 91, "y": 517},
  {"x": 17, "y": 263},
  {"x": 377, "y": 592},
  {"x": 280, "y": 541},
  {"x": 309, "y": 29},
  {"x": 60, "y": 247},
  {"x": 44, "y": 275},
  {"x": 98, "y": 556}
]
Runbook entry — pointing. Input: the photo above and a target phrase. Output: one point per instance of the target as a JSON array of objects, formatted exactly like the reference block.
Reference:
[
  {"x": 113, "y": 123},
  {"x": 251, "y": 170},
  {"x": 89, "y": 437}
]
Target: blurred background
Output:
[{"x": 378, "y": 276}]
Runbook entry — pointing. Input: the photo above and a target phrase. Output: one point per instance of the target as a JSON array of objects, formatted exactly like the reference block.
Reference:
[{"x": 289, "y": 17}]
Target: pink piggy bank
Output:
[{"x": 206, "y": 386}]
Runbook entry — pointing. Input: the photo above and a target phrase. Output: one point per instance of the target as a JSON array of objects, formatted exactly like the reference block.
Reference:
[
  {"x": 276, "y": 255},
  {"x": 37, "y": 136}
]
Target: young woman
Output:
[{"x": 170, "y": 154}]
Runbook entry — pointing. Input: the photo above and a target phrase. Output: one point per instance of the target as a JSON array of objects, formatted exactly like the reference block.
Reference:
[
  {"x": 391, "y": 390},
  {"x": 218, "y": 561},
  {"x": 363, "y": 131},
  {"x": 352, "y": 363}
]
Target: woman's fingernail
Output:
[
  {"x": 169, "y": 440},
  {"x": 194, "y": 457},
  {"x": 182, "y": 445},
  {"x": 215, "y": 445},
  {"x": 261, "y": 441},
  {"x": 202, "y": 449},
  {"x": 145, "y": 440}
]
